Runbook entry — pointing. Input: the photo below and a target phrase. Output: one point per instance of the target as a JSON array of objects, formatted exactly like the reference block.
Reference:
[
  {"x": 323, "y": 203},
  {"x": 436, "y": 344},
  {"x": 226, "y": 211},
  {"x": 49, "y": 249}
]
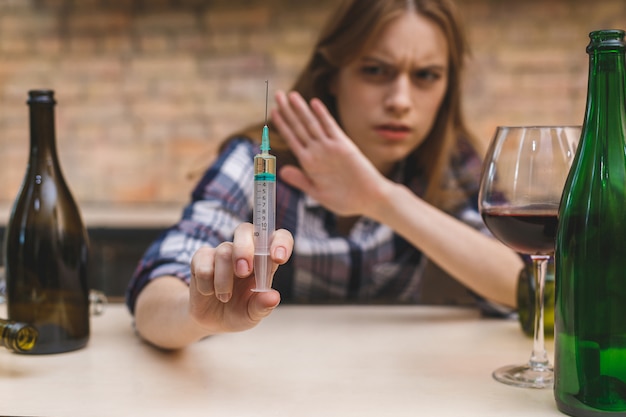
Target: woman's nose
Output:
[{"x": 398, "y": 97}]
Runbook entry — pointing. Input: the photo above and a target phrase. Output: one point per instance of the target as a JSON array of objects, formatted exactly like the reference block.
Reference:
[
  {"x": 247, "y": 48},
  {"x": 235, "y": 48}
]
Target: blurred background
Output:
[{"x": 147, "y": 89}]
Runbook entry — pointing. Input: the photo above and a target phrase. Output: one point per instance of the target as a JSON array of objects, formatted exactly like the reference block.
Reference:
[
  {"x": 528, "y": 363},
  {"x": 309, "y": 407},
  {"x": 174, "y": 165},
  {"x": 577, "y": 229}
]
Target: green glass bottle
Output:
[
  {"x": 16, "y": 336},
  {"x": 46, "y": 244},
  {"x": 590, "y": 257}
]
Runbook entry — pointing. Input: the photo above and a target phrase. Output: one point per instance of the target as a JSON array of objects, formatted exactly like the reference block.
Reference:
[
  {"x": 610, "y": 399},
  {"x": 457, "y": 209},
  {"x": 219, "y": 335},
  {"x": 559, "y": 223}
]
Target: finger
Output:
[
  {"x": 287, "y": 122},
  {"x": 326, "y": 120},
  {"x": 287, "y": 134},
  {"x": 282, "y": 246},
  {"x": 307, "y": 118},
  {"x": 223, "y": 277},
  {"x": 296, "y": 113},
  {"x": 262, "y": 304},
  {"x": 243, "y": 250},
  {"x": 296, "y": 178},
  {"x": 202, "y": 270}
]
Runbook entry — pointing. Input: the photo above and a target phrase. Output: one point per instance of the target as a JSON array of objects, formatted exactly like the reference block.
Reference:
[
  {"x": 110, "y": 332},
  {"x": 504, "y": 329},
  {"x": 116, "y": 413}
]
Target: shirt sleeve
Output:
[
  {"x": 465, "y": 172},
  {"x": 220, "y": 202},
  {"x": 467, "y": 168}
]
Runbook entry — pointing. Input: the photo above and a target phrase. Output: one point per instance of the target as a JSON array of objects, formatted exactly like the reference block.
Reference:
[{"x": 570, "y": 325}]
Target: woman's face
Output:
[{"x": 388, "y": 97}]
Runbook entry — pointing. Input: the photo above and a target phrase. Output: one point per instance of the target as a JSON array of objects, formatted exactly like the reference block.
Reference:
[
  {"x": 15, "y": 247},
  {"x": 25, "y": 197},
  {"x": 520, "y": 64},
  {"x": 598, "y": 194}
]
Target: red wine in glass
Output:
[{"x": 530, "y": 230}]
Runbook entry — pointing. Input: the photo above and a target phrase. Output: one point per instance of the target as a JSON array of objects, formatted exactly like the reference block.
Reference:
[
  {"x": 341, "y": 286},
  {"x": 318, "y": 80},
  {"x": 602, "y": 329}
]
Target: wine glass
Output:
[{"x": 520, "y": 191}]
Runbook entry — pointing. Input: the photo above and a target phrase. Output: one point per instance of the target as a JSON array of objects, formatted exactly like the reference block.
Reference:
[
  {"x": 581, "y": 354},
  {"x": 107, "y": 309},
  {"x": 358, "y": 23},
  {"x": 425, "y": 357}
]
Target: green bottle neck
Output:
[{"x": 606, "y": 97}]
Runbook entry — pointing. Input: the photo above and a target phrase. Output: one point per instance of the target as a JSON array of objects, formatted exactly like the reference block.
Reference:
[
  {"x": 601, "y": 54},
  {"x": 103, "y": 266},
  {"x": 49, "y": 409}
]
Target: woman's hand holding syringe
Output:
[{"x": 221, "y": 296}]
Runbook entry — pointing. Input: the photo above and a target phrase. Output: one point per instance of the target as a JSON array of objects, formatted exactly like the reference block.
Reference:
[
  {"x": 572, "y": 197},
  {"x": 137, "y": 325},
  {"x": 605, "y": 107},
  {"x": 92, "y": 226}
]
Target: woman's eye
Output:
[
  {"x": 427, "y": 76},
  {"x": 375, "y": 71}
]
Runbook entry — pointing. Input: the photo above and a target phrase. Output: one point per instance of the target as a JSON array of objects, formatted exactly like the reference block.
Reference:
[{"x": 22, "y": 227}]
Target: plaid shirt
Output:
[{"x": 371, "y": 264}]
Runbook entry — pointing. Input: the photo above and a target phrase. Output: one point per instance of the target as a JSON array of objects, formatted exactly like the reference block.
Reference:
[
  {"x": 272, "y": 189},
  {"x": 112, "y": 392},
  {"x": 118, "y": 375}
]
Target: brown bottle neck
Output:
[{"x": 42, "y": 133}]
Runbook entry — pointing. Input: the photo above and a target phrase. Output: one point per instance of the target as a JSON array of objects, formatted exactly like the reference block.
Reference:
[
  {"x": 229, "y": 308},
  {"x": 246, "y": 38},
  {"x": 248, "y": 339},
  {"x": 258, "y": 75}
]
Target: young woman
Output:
[{"x": 377, "y": 175}]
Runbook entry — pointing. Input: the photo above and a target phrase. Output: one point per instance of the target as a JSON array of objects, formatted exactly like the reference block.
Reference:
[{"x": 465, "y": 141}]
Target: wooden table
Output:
[{"x": 301, "y": 361}]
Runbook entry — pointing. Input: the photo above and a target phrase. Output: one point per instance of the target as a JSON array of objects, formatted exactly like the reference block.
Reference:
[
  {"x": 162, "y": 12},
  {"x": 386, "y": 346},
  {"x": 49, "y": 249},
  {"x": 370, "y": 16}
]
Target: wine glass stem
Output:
[{"x": 539, "y": 356}]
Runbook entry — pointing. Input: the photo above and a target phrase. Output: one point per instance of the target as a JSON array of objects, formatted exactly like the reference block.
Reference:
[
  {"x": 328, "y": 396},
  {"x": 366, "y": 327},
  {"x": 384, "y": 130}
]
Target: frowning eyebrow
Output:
[{"x": 388, "y": 63}]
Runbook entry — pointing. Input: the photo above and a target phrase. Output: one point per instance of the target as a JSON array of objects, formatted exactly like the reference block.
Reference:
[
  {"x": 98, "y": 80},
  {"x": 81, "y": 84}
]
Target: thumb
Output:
[
  {"x": 296, "y": 178},
  {"x": 262, "y": 304}
]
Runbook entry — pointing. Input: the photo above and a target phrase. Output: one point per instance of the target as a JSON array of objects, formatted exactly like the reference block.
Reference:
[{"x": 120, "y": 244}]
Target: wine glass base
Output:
[{"x": 525, "y": 376}]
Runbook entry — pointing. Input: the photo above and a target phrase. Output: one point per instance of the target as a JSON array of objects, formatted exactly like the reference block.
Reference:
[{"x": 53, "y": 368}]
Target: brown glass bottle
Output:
[
  {"x": 46, "y": 247},
  {"x": 17, "y": 337}
]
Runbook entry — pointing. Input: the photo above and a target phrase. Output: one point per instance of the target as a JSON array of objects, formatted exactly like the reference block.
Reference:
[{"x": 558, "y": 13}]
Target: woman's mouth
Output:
[{"x": 393, "y": 132}]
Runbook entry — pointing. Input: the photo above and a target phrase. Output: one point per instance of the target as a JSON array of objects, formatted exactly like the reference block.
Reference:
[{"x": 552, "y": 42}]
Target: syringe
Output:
[{"x": 264, "y": 215}]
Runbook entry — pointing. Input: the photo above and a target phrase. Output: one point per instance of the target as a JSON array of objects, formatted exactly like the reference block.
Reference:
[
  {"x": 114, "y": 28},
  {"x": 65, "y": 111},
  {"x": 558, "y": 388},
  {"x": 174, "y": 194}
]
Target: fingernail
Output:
[
  {"x": 243, "y": 269},
  {"x": 280, "y": 253},
  {"x": 224, "y": 297}
]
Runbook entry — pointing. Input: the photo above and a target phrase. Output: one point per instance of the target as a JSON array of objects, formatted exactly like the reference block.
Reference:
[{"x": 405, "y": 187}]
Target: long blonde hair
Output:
[{"x": 349, "y": 32}]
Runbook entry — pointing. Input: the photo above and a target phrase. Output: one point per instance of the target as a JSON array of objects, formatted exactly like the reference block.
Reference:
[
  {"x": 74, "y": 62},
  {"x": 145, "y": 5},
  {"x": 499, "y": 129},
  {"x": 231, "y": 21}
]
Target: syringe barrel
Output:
[{"x": 264, "y": 215}]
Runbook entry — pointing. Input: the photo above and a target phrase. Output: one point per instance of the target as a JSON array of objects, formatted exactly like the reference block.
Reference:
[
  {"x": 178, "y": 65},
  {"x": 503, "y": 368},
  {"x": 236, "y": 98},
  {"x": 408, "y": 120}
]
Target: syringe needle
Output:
[{"x": 266, "y": 95}]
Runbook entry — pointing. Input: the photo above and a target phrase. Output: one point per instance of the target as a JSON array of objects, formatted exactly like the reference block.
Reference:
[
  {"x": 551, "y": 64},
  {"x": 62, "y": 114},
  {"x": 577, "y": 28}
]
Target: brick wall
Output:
[{"x": 147, "y": 88}]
